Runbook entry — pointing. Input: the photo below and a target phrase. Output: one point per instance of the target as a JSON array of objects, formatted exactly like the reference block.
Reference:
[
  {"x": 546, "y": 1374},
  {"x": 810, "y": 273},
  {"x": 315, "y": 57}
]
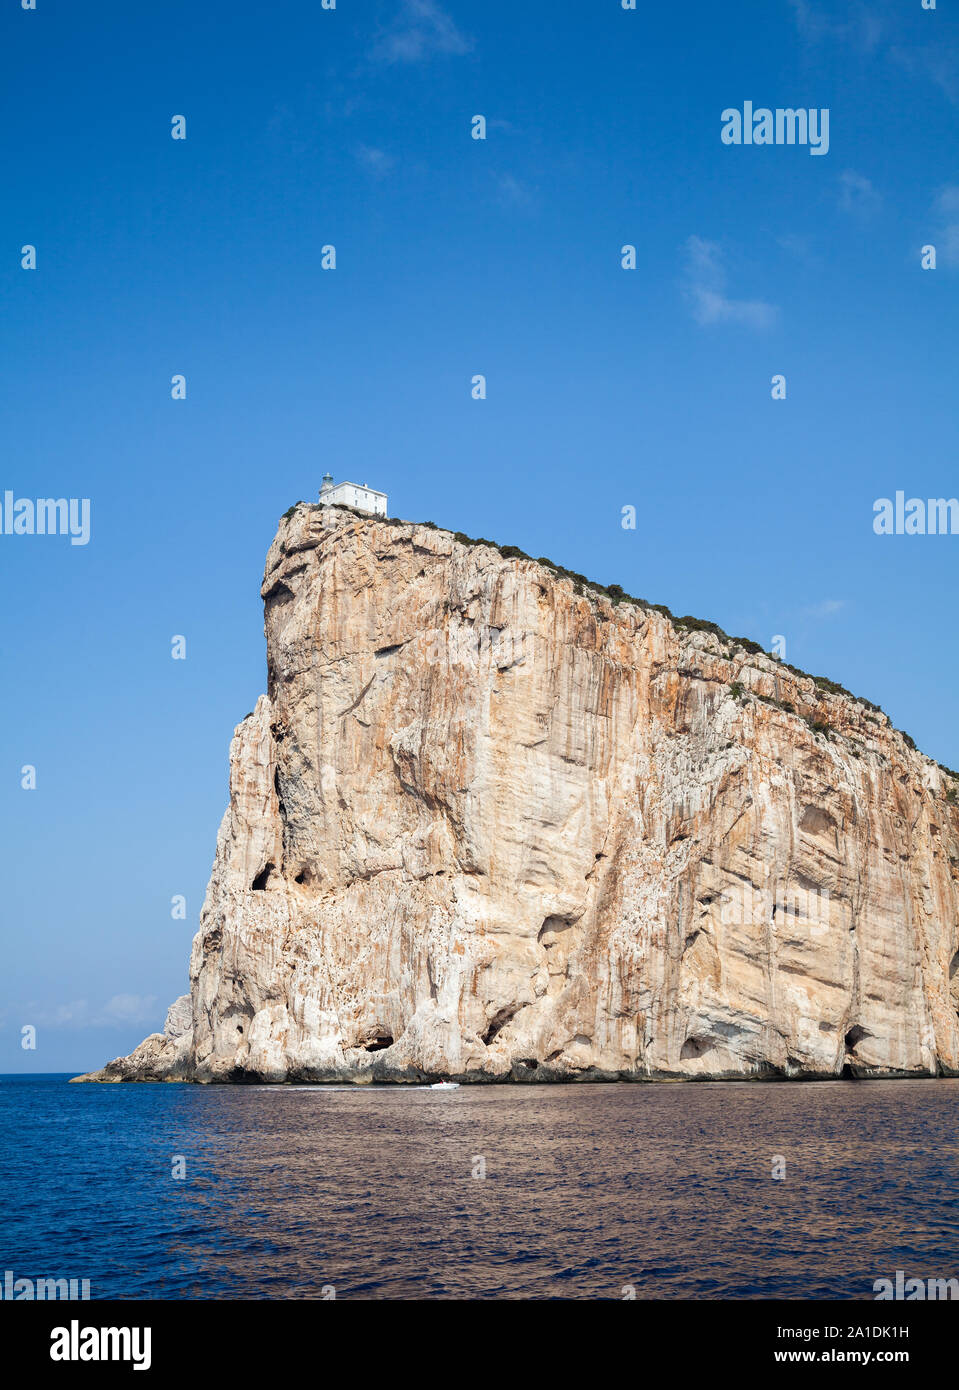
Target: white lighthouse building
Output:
[{"x": 363, "y": 498}]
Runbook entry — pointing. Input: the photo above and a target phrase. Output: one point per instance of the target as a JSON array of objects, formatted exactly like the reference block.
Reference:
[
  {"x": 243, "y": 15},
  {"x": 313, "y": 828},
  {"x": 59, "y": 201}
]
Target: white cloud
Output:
[
  {"x": 72, "y": 1015},
  {"x": 938, "y": 63},
  {"x": 857, "y": 194},
  {"x": 513, "y": 192},
  {"x": 825, "y": 608},
  {"x": 421, "y": 30},
  {"x": 120, "y": 1010},
  {"x": 705, "y": 290},
  {"x": 377, "y": 161},
  {"x": 946, "y": 236},
  {"x": 129, "y": 1008},
  {"x": 796, "y": 245},
  {"x": 857, "y": 23},
  {"x": 881, "y": 27}
]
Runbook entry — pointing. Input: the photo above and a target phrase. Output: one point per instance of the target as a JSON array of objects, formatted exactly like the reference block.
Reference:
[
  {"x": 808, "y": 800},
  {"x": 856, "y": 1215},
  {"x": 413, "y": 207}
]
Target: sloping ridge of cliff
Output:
[{"x": 491, "y": 824}]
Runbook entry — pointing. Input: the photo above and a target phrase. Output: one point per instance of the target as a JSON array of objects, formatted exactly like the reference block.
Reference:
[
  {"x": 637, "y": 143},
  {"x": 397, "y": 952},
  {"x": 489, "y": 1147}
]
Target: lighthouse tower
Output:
[{"x": 359, "y": 496}]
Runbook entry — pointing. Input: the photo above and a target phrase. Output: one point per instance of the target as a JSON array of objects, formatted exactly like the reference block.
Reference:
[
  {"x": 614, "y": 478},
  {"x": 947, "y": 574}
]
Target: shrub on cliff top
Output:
[{"x": 691, "y": 624}]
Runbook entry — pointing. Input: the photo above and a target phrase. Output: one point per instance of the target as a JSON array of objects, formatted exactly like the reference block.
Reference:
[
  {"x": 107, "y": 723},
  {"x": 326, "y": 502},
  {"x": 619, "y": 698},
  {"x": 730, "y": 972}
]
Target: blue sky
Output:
[{"x": 606, "y": 387}]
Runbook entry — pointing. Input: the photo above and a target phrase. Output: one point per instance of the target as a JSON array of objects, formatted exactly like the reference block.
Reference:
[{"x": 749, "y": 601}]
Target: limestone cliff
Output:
[{"x": 489, "y": 825}]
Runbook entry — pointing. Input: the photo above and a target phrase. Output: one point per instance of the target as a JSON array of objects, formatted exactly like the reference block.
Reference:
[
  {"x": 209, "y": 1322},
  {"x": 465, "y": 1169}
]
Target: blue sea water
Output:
[{"x": 587, "y": 1190}]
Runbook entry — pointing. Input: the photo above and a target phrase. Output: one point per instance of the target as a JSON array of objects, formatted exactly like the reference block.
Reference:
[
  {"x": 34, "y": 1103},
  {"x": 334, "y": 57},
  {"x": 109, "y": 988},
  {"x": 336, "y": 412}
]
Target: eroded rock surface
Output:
[{"x": 487, "y": 827}]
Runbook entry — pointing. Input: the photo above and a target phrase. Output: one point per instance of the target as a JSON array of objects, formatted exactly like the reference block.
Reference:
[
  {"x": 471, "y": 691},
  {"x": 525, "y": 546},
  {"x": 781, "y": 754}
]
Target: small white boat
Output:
[{"x": 445, "y": 1086}]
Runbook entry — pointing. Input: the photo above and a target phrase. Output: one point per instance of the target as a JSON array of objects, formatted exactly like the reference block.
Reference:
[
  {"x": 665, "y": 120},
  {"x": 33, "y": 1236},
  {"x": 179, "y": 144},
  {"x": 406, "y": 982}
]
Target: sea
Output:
[{"x": 679, "y": 1191}]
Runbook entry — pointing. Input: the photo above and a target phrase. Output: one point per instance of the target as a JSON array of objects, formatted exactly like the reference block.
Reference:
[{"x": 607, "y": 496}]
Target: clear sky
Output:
[{"x": 606, "y": 387}]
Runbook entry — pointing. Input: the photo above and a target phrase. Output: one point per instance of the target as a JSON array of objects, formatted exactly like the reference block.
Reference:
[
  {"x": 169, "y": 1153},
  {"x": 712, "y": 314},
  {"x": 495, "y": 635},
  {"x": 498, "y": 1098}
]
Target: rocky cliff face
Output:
[{"x": 484, "y": 826}]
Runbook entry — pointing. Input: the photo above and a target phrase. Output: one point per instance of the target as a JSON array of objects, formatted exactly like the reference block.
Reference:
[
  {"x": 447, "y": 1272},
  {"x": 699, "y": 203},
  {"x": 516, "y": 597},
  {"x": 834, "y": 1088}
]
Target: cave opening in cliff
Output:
[
  {"x": 262, "y": 879},
  {"x": 279, "y": 595},
  {"x": 499, "y": 1021}
]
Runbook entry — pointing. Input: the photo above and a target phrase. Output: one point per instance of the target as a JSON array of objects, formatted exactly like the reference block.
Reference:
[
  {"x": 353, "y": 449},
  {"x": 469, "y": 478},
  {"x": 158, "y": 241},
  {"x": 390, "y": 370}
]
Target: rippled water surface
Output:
[{"x": 588, "y": 1188}]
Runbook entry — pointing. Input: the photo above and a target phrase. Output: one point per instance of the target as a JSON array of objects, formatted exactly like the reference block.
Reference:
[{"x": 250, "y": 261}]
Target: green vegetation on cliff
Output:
[{"x": 617, "y": 595}]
